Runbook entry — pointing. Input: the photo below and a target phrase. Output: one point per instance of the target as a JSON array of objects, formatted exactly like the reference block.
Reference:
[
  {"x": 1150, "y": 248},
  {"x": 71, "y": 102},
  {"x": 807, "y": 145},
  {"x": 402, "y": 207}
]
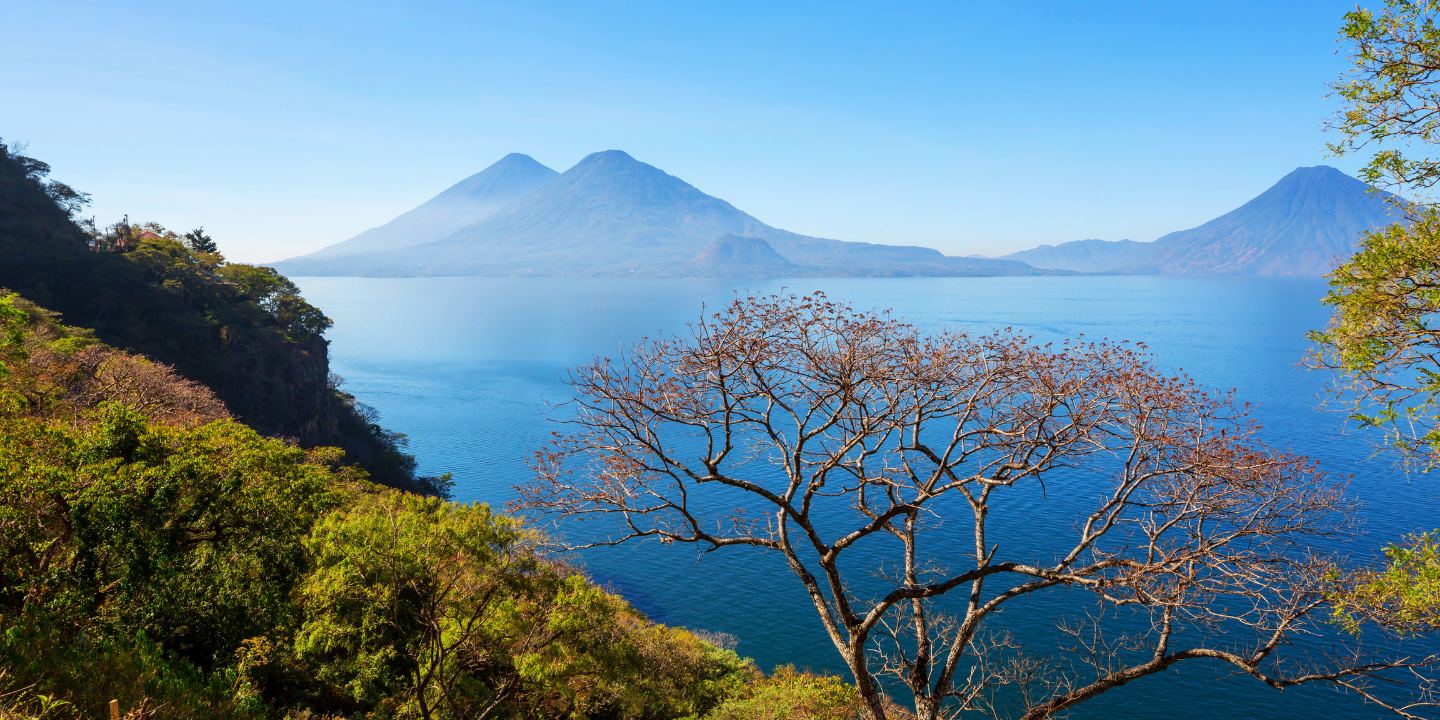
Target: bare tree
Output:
[{"x": 1190, "y": 537}]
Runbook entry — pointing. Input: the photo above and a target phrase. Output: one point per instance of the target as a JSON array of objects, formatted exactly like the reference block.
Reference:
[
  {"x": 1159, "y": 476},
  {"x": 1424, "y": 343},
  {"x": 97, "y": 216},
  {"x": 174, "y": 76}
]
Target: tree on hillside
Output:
[
  {"x": 798, "y": 425},
  {"x": 67, "y": 198},
  {"x": 200, "y": 242},
  {"x": 1382, "y": 343}
]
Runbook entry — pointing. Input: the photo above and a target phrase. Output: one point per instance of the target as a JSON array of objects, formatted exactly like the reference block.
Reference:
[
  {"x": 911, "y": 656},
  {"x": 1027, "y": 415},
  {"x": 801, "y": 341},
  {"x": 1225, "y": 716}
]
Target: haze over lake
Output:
[{"x": 465, "y": 367}]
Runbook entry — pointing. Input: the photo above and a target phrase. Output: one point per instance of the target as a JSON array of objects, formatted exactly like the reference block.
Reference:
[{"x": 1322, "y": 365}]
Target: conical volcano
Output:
[
  {"x": 464, "y": 203},
  {"x": 1297, "y": 227},
  {"x": 1300, "y": 226}
]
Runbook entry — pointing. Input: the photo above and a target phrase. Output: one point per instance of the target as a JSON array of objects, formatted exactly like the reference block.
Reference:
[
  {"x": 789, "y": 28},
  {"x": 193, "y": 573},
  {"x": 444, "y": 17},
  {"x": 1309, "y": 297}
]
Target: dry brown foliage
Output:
[
  {"x": 1190, "y": 538},
  {"x": 55, "y": 378}
]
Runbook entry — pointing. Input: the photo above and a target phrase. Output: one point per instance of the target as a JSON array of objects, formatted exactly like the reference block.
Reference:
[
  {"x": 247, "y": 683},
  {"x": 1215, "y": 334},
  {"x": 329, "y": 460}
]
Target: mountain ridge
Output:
[{"x": 611, "y": 214}]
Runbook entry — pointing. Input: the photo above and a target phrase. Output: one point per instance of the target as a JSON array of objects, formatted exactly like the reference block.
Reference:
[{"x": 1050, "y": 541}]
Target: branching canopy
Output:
[{"x": 820, "y": 430}]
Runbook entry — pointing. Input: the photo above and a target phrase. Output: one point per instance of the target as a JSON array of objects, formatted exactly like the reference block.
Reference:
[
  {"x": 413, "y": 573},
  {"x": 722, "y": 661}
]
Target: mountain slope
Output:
[
  {"x": 735, "y": 250},
  {"x": 613, "y": 215},
  {"x": 1299, "y": 226},
  {"x": 464, "y": 203},
  {"x": 735, "y": 256},
  {"x": 1085, "y": 255},
  {"x": 230, "y": 327}
]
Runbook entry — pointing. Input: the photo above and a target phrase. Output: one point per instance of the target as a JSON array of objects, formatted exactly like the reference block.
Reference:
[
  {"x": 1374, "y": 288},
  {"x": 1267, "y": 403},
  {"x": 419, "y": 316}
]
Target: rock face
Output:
[
  {"x": 611, "y": 214},
  {"x": 1300, "y": 226},
  {"x": 464, "y": 203}
]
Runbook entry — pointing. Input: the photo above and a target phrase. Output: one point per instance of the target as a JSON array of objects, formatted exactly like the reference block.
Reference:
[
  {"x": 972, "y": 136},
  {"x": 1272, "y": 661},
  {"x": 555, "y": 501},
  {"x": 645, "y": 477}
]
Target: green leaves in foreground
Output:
[
  {"x": 449, "y": 609},
  {"x": 792, "y": 694},
  {"x": 190, "y": 535},
  {"x": 1403, "y": 596},
  {"x": 264, "y": 581},
  {"x": 1388, "y": 94},
  {"x": 1383, "y": 343}
]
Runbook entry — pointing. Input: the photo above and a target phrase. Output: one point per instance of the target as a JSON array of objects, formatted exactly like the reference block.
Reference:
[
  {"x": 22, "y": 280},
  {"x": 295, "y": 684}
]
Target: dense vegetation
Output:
[
  {"x": 158, "y": 551},
  {"x": 1383, "y": 342},
  {"x": 242, "y": 331}
]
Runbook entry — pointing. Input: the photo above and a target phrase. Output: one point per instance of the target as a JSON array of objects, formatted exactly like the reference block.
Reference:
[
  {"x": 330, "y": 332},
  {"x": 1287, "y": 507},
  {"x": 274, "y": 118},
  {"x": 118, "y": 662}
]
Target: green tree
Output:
[
  {"x": 1390, "y": 92},
  {"x": 277, "y": 295},
  {"x": 1382, "y": 343},
  {"x": 451, "y": 608},
  {"x": 65, "y": 197},
  {"x": 190, "y": 535},
  {"x": 200, "y": 242},
  {"x": 792, "y": 695}
]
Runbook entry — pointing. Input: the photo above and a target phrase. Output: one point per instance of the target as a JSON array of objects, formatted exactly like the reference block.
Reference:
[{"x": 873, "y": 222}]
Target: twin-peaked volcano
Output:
[{"x": 610, "y": 214}]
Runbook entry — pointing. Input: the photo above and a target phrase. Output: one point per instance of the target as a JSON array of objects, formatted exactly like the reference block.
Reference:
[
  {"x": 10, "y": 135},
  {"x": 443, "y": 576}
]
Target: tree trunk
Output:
[
  {"x": 927, "y": 708},
  {"x": 870, "y": 694}
]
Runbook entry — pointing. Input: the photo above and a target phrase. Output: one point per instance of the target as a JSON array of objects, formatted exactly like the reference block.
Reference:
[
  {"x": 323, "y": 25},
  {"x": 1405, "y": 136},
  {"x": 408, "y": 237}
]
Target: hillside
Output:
[
  {"x": 1299, "y": 226},
  {"x": 240, "y": 330},
  {"x": 731, "y": 253},
  {"x": 613, "y": 215}
]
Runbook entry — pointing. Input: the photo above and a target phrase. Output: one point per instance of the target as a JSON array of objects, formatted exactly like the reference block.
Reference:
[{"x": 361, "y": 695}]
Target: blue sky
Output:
[{"x": 283, "y": 127}]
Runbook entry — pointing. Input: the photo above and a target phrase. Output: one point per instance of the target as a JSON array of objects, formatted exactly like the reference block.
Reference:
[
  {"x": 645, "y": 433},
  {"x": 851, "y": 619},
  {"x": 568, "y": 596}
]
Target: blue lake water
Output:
[{"x": 466, "y": 367}]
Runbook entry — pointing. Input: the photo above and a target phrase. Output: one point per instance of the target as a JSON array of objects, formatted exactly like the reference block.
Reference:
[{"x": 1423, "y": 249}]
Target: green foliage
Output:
[
  {"x": 12, "y": 332},
  {"x": 1382, "y": 341},
  {"x": 251, "y": 578},
  {"x": 793, "y": 695},
  {"x": 279, "y": 297},
  {"x": 1403, "y": 596},
  {"x": 199, "y": 242},
  {"x": 191, "y": 535},
  {"x": 80, "y": 679},
  {"x": 402, "y": 588},
  {"x": 450, "y": 610},
  {"x": 1389, "y": 91},
  {"x": 65, "y": 197}
]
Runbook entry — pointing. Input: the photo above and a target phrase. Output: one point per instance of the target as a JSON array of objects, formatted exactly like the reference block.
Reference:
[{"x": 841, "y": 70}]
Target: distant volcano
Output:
[
  {"x": 464, "y": 203},
  {"x": 611, "y": 214},
  {"x": 1300, "y": 226}
]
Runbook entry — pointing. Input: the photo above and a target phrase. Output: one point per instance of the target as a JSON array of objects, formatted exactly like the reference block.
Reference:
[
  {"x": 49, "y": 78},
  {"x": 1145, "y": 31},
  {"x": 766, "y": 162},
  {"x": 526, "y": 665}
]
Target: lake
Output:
[{"x": 467, "y": 366}]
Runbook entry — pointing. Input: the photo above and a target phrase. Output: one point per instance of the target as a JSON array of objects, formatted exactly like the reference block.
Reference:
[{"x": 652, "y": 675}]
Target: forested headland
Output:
[{"x": 196, "y": 521}]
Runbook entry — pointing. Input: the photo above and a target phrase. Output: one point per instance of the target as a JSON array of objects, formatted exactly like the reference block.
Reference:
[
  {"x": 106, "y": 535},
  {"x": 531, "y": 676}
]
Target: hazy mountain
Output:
[
  {"x": 1297, "y": 227},
  {"x": 1300, "y": 226},
  {"x": 464, "y": 203},
  {"x": 1085, "y": 255},
  {"x": 613, "y": 215},
  {"x": 735, "y": 250},
  {"x": 735, "y": 256}
]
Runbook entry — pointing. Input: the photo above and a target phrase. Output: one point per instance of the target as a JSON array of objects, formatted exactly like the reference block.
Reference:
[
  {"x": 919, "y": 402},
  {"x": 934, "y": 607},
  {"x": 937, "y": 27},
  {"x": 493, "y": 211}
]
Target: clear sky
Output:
[{"x": 283, "y": 127}]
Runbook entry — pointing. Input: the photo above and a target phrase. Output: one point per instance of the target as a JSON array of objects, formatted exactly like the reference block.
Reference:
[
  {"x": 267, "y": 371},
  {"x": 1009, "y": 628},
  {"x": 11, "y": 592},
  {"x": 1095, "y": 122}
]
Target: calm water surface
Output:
[{"x": 467, "y": 366}]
